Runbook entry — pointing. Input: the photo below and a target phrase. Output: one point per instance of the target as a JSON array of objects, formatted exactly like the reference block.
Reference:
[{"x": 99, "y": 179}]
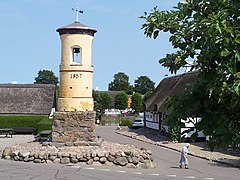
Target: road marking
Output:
[
  {"x": 209, "y": 178},
  {"x": 76, "y": 166},
  {"x": 104, "y": 169},
  {"x": 153, "y": 174},
  {"x": 171, "y": 175},
  {"x": 137, "y": 173},
  {"x": 121, "y": 171},
  {"x": 89, "y": 168},
  {"x": 189, "y": 177}
]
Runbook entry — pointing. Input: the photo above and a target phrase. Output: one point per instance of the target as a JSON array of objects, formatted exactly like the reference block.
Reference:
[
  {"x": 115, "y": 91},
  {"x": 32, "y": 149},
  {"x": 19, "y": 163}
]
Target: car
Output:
[{"x": 138, "y": 123}]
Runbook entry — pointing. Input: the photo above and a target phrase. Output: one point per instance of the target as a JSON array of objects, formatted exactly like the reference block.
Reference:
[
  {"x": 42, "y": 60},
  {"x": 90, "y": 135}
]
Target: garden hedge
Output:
[{"x": 39, "y": 123}]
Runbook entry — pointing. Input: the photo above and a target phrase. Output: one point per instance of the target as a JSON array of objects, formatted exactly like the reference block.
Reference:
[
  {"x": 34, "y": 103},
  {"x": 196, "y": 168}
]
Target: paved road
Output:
[
  {"x": 167, "y": 167},
  {"x": 167, "y": 160}
]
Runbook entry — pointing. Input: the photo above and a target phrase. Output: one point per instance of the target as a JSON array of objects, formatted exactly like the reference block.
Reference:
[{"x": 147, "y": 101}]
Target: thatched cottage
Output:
[
  {"x": 153, "y": 106},
  {"x": 26, "y": 99}
]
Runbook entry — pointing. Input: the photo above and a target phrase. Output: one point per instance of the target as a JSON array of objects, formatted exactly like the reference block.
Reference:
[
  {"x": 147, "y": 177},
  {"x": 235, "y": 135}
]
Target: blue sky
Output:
[{"x": 29, "y": 41}]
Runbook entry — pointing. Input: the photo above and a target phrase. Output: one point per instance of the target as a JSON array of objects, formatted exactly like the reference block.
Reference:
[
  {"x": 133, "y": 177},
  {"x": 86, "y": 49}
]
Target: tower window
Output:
[{"x": 76, "y": 53}]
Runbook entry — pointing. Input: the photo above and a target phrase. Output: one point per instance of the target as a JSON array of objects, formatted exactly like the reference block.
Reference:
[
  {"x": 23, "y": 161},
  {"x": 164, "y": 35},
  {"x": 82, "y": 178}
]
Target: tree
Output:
[
  {"x": 105, "y": 100},
  {"x": 208, "y": 32},
  {"x": 136, "y": 102},
  {"x": 121, "y": 101},
  {"x": 46, "y": 77},
  {"x": 147, "y": 95},
  {"x": 120, "y": 83},
  {"x": 102, "y": 101},
  {"x": 143, "y": 84},
  {"x": 130, "y": 90}
]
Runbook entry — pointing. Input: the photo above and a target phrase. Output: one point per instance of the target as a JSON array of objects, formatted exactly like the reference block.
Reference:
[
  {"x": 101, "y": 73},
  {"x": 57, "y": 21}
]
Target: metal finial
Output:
[{"x": 77, "y": 13}]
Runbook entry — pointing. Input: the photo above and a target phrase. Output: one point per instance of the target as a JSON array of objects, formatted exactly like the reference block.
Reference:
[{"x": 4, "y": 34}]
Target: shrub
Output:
[
  {"x": 175, "y": 133},
  {"x": 125, "y": 123},
  {"x": 25, "y": 121}
]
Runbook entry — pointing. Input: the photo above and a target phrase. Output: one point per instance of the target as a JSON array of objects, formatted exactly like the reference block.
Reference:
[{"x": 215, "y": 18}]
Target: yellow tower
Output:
[
  {"x": 76, "y": 71},
  {"x": 75, "y": 119}
]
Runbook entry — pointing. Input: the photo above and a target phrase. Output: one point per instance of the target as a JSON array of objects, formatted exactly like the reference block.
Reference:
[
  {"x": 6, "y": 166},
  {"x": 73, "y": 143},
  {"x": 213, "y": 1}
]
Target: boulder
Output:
[
  {"x": 6, "y": 152},
  {"x": 65, "y": 160},
  {"x": 122, "y": 161}
]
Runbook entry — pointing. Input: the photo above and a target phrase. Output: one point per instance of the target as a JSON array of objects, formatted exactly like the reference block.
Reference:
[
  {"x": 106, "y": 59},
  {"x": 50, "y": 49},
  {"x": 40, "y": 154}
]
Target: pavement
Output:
[
  {"x": 16, "y": 139},
  {"x": 197, "y": 149}
]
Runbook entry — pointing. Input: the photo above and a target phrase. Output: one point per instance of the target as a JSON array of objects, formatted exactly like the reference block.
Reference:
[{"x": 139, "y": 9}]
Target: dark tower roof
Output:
[{"x": 76, "y": 28}]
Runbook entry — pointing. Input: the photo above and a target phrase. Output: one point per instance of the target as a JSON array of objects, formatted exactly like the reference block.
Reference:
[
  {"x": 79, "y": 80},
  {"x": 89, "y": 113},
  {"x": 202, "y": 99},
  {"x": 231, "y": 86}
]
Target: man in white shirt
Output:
[{"x": 184, "y": 161}]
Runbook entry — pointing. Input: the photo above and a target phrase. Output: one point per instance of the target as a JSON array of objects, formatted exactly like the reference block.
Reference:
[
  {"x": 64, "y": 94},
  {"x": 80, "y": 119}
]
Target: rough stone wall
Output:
[
  {"x": 109, "y": 154},
  {"x": 73, "y": 127}
]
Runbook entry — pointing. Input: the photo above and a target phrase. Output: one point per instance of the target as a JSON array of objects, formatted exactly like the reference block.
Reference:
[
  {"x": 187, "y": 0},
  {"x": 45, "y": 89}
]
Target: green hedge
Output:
[
  {"x": 126, "y": 123},
  {"x": 37, "y": 122}
]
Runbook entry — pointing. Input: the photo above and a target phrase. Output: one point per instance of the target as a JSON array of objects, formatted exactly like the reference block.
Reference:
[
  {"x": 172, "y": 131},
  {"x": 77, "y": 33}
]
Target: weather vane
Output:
[{"x": 77, "y": 13}]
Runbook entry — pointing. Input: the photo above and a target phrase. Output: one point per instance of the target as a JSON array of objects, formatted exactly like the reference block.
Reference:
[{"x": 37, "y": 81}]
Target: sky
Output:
[{"x": 29, "y": 41}]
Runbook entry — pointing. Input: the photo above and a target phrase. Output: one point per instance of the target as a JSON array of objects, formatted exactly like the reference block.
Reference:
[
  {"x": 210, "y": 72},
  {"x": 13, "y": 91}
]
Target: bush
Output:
[
  {"x": 114, "y": 120},
  {"x": 125, "y": 123},
  {"x": 175, "y": 133},
  {"x": 39, "y": 123}
]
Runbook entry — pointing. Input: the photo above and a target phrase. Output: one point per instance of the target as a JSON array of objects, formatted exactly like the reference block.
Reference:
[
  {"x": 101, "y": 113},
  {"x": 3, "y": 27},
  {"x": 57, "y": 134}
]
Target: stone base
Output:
[
  {"x": 108, "y": 154},
  {"x": 73, "y": 127}
]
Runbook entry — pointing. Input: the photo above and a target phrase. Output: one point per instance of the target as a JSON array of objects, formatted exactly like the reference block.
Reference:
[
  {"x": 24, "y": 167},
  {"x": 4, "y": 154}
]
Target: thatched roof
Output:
[
  {"x": 27, "y": 98},
  {"x": 168, "y": 87}
]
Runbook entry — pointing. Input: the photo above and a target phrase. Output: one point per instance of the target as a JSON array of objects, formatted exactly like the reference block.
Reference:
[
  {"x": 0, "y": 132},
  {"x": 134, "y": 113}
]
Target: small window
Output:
[{"x": 76, "y": 53}]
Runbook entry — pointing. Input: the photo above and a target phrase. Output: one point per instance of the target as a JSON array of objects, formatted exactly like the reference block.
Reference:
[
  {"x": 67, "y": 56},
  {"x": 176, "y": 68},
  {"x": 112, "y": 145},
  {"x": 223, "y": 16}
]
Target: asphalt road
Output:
[
  {"x": 167, "y": 161},
  {"x": 166, "y": 169}
]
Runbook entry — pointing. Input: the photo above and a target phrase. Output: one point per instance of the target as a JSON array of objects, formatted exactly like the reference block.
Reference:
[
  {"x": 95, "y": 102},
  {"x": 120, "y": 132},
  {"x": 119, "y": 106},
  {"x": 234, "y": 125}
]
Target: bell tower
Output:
[
  {"x": 75, "y": 119},
  {"x": 76, "y": 71}
]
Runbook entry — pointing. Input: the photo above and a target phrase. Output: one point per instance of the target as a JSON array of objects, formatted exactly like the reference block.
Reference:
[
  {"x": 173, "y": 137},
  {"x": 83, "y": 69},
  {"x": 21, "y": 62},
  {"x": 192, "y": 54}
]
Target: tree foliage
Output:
[
  {"x": 120, "y": 83},
  {"x": 102, "y": 101},
  {"x": 207, "y": 31},
  {"x": 46, "y": 77},
  {"x": 136, "y": 102},
  {"x": 121, "y": 101},
  {"x": 143, "y": 84}
]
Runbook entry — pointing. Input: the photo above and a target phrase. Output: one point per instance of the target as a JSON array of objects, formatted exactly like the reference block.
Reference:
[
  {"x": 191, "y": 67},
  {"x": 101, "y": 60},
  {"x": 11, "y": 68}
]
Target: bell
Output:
[{"x": 76, "y": 50}]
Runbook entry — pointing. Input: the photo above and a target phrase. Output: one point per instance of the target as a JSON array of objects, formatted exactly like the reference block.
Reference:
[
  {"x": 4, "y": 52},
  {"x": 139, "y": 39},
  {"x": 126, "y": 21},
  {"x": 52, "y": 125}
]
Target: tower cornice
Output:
[{"x": 76, "y": 28}]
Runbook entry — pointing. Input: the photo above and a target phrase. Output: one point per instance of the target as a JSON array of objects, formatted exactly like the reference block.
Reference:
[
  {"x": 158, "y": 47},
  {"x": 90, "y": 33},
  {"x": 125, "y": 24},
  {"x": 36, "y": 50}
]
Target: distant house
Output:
[
  {"x": 27, "y": 99},
  {"x": 153, "y": 106}
]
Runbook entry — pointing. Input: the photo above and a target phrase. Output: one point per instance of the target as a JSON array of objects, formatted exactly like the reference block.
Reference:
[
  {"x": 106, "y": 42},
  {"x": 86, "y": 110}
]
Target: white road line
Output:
[
  {"x": 89, "y": 168},
  {"x": 153, "y": 174},
  {"x": 121, "y": 171},
  {"x": 104, "y": 169},
  {"x": 137, "y": 173},
  {"x": 189, "y": 177},
  {"x": 171, "y": 175},
  {"x": 209, "y": 178},
  {"x": 75, "y": 166}
]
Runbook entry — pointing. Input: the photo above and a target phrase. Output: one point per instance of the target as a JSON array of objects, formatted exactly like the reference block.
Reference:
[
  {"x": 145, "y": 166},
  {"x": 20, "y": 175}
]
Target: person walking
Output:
[{"x": 184, "y": 160}]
